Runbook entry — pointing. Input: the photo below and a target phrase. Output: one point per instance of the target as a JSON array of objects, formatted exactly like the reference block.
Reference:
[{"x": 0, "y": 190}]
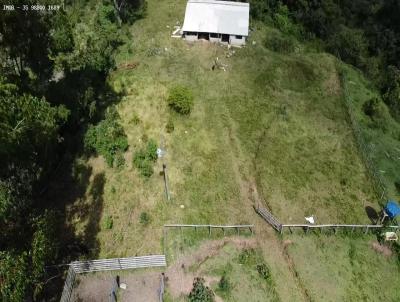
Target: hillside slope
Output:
[{"x": 271, "y": 128}]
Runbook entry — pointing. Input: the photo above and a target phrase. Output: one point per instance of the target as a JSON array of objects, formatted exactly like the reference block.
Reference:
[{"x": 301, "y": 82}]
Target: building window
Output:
[
  {"x": 213, "y": 35},
  {"x": 238, "y": 37},
  {"x": 225, "y": 38}
]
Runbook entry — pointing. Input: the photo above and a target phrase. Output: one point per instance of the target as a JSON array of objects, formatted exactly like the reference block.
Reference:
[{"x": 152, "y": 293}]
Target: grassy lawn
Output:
[
  {"x": 335, "y": 268},
  {"x": 274, "y": 119},
  {"x": 292, "y": 123}
]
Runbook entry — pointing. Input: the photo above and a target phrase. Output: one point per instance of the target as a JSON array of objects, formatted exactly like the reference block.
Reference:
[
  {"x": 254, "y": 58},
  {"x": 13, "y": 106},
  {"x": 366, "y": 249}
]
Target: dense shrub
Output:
[
  {"x": 284, "y": 23},
  {"x": 263, "y": 271},
  {"x": 373, "y": 108},
  {"x": 350, "y": 45},
  {"x": 107, "y": 138},
  {"x": 151, "y": 150},
  {"x": 247, "y": 256},
  {"x": 143, "y": 159},
  {"x": 201, "y": 292},
  {"x": 391, "y": 89},
  {"x": 378, "y": 114},
  {"x": 144, "y": 218},
  {"x": 180, "y": 99}
]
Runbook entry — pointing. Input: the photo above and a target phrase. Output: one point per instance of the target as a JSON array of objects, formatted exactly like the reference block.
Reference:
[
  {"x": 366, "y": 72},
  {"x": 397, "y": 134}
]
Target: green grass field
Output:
[
  {"x": 275, "y": 122},
  {"x": 335, "y": 268}
]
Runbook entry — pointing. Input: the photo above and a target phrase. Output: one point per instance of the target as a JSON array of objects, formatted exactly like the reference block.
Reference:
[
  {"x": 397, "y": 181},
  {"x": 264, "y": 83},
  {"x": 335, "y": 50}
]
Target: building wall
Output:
[
  {"x": 215, "y": 40},
  {"x": 191, "y": 37},
  {"x": 235, "y": 41}
]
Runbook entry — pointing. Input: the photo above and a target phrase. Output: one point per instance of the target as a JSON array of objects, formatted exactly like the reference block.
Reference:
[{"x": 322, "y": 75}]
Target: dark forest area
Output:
[{"x": 53, "y": 84}]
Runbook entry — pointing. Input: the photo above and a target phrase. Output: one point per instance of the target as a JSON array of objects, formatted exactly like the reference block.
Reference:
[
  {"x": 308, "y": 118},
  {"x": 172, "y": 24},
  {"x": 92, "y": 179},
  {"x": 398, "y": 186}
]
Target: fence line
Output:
[
  {"x": 364, "y": 149},
  {"x": 68, "y": 285},
  {"x": 211, "y": 226},
  {"x": 335, "y": 227},
  {"x": 80, "y": 267},
  {"x": 118, "y": 264},
  {"x": 162, "y": 288},
  {"x": 268, "y": 217}
]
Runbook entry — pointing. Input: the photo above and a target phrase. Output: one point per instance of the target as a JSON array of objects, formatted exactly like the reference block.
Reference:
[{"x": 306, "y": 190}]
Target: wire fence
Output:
[
  {"x": 364, "y": 148},
  {"x": 277, "y": 225}
]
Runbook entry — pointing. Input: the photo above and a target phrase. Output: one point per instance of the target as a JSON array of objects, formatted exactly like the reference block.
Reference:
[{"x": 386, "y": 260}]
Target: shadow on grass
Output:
[
  {"x": 372, "y": 214},
  {"x": 71, "y": 189},
  {"x": 93, "y": 214}
]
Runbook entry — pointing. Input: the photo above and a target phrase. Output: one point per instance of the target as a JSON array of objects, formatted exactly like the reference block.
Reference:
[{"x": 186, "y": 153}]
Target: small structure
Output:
[
  {"x": 217, "y": 21},
  {"x": 391, "y": 210},
  {"x": 390, "y": 236}
]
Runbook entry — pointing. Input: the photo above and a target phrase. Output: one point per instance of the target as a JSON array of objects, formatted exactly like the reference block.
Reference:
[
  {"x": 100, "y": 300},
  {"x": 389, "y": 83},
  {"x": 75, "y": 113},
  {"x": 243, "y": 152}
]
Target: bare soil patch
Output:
[
  {"x": 143, "y": 287},
  {"x": 180, "y": 280},
  {"x": 382, "y": 249}
]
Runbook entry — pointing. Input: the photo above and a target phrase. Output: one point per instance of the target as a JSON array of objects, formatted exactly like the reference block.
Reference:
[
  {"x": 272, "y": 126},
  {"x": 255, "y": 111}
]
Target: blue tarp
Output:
[{"x": 392, "y": 208}]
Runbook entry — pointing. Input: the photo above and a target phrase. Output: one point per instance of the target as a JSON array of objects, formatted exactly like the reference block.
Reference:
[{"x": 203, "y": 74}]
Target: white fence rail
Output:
[
  {"x": 68, "y": 285},
  {"x": 80, "y": 267},
  {"x": 118, "y": 264}
]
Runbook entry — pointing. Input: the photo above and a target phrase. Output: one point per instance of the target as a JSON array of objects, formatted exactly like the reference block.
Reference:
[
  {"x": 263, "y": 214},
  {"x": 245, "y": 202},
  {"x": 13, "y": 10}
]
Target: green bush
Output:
[
  {"x": 107, "y": 138},
  {"x": 391, "y": 90},
  {"x": 180, "y": 99},
  {"x": 200, "y": 292},
  {"x": 143, "y": 159},
  {"x": 372, "y": 108},
  {"x": 284, "y": 23},
  {"x": 247, "y": 256},
  {"x": 151, "y": 150},
  {"x": 378, "y": 114},
  {"x": 263, "y": 271},
  {"x": 224, "y": 285},
  {"x": 144, "y": 218},
  {"x": 108, "y": 223},
  {"x": 350, "y": 45}
]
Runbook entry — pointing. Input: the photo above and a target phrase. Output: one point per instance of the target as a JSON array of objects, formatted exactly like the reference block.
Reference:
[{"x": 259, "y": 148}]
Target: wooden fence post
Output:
[{"x": 166, "y": 181}]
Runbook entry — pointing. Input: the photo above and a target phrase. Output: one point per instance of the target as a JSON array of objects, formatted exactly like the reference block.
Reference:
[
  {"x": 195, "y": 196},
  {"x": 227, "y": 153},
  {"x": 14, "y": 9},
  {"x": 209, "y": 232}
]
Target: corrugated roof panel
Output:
[{"x": 223, "y": 17}]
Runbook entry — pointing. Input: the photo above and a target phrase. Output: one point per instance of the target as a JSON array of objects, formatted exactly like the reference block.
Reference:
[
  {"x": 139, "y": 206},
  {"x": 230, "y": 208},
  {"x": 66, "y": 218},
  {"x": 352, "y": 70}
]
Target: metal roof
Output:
[{"x": 222, "y": 17}]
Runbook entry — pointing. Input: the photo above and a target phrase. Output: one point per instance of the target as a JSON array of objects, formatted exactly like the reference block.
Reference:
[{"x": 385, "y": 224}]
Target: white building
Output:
[{"x": 216, "y": 21}]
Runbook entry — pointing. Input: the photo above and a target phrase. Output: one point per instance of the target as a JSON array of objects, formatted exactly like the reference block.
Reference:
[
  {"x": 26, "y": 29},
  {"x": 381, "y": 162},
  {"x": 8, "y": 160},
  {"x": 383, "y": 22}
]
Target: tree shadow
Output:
[
  {"x": 94, "y": 213},
  {"x": 372, "y": 214}
]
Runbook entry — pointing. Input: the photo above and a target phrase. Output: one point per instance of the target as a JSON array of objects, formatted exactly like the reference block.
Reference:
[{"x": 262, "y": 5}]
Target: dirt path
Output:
[
  {"x": 140, "y": 287},
  {"x": 288, "y": 284},
  {"x": 180, "y": 279}
]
